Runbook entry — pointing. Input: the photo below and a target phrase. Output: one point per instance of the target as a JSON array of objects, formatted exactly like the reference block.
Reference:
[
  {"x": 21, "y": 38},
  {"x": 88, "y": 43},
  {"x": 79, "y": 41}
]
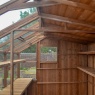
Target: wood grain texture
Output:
[
  {"x": 63, "y": 77},
  {"x": 20, "y": 86}
]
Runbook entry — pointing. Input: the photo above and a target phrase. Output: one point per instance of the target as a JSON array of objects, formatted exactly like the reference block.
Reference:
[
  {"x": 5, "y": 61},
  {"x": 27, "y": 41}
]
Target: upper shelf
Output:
[
  {"x": 88, "y": 70},
  {"x": 8, "y": 62},
  {"x": 87, "y": 53}
]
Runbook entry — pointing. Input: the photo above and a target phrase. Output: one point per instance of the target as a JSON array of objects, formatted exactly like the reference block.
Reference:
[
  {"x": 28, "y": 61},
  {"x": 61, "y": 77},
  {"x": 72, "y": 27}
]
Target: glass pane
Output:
[
  {"x": 3, "y": 1},
  {"x": 12, "y": 17}
]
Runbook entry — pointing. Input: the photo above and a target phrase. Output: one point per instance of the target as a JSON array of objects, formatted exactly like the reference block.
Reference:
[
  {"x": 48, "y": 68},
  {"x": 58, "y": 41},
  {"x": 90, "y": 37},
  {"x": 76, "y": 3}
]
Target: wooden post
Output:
[
  {"x": 5, "y": 71},
  {"x": 11, "y": 65},
  {"x": 18, "y": 67},
  {"x": 38, "y": 59},
  {"x": 38, "y": 55}
]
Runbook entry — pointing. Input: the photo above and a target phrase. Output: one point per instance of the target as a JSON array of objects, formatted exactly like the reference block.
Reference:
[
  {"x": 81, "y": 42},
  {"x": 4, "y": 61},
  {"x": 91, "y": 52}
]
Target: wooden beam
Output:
[
  {"x": 32, "y": 43},
  {"x": 19, "y": 43},
  {"x": 28, "y": 42},
  {"x": 19, "y": 34},
  {"x": 8, "y": 5},
  {"x": 73, "y": 36},
  {"x": 56, "y": 29},
  {"x": 67, "y": 20},
  {"x": 75, "y": 4},
  {"x": 34, "y": 4},
  {"x": 38, "y": 54},
  {"x": 19, "y": 24}
]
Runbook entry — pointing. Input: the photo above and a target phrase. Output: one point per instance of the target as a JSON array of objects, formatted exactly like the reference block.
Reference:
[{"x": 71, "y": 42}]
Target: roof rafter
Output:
[
  {"x": 34, "y": 4},
  {"x": 8, "y": 5},
  {"x": 18, "y": 35},
  {"x": 56, "y": 29},
  {"x": 28, "y": 42},
  {"x": 19, "y": 24},
  {"x": 32, "y": 43},
  {"x": 26, "y": 39},
  {"x": 66, "y": 20}
]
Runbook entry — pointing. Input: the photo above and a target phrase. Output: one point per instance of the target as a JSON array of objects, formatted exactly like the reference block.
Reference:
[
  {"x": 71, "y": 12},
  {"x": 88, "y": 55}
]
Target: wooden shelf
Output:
[
  {"x": 20, "y": 85},
  {"x": 61, "y": 82},
  {"x": 87, "y": 53},
  {"x": 8, "y": 62},
  {"x": 55, "y": 68},
  {"x": 87, "y": 70}
]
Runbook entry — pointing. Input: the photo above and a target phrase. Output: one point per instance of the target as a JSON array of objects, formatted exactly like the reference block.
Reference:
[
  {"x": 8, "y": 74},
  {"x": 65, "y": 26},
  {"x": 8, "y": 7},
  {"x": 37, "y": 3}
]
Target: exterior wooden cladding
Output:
[{"x": 55, "y": 79}]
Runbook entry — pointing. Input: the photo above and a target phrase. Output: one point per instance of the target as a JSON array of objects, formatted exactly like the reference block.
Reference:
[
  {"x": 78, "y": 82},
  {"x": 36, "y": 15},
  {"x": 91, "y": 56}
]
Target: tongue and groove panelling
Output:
[{"x": 63, "y": 77}]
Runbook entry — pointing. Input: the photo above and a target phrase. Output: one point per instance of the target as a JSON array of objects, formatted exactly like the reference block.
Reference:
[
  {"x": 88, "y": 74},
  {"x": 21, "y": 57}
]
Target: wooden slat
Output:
[
  {"x": 8, "y": 62},
  {"x": 87, "y": 53},
  {"x": 87, "y": 70},
  {"x": 20, "y": 86}
]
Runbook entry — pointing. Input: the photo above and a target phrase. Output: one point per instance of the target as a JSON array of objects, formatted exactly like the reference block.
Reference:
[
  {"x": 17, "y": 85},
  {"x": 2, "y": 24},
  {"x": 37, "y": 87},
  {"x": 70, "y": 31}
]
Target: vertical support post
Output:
[
  {"x": 18, "y": 67},
  {"x": 5, "y": 71},
  {"x": 11, "y": 64},
  {"x": 38, "y": 55},
  {"x": 38, "y": 59}
]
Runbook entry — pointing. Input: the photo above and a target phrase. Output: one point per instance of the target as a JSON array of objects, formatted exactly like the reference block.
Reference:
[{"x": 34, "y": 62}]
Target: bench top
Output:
[{"x": 20, "y": 86}]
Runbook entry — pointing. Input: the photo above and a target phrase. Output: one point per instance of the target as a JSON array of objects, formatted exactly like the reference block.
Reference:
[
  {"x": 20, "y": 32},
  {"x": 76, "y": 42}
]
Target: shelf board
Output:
[
  {"x": 2, "y": 64},
  {"x": 87, "y": 53},
  {"x": 55, "y": 68},
  {"x": 87, "y": 70}
]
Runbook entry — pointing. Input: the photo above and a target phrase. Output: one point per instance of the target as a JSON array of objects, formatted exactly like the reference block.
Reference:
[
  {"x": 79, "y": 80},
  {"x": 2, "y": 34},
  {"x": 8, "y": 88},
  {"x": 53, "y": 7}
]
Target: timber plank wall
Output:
[
  {"x": 91, "y": 63},
  {"x": 63, "y": 77}
]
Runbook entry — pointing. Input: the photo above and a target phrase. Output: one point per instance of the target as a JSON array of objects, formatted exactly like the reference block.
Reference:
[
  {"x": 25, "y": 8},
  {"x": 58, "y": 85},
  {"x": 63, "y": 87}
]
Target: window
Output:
[{"x": 49, "y": 54}]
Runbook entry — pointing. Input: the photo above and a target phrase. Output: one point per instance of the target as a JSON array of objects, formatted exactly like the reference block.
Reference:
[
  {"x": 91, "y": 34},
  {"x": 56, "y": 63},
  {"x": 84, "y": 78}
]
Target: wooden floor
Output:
[{"x": 20, "y": 86}]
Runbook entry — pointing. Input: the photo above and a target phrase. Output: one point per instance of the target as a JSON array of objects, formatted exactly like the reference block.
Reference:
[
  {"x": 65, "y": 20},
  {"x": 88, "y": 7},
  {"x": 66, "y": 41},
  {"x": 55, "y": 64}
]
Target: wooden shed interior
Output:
[{"x": 68, "y": 25}]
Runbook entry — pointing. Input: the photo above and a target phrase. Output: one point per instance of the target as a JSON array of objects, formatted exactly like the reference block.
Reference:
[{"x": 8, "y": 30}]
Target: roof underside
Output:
[{"x": 71, "y": 20}]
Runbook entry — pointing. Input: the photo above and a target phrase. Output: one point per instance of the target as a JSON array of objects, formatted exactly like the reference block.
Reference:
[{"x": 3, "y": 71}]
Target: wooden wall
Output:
[
  {"x": 63, "y": 77},
  {"x": 91, "y": 63}
]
